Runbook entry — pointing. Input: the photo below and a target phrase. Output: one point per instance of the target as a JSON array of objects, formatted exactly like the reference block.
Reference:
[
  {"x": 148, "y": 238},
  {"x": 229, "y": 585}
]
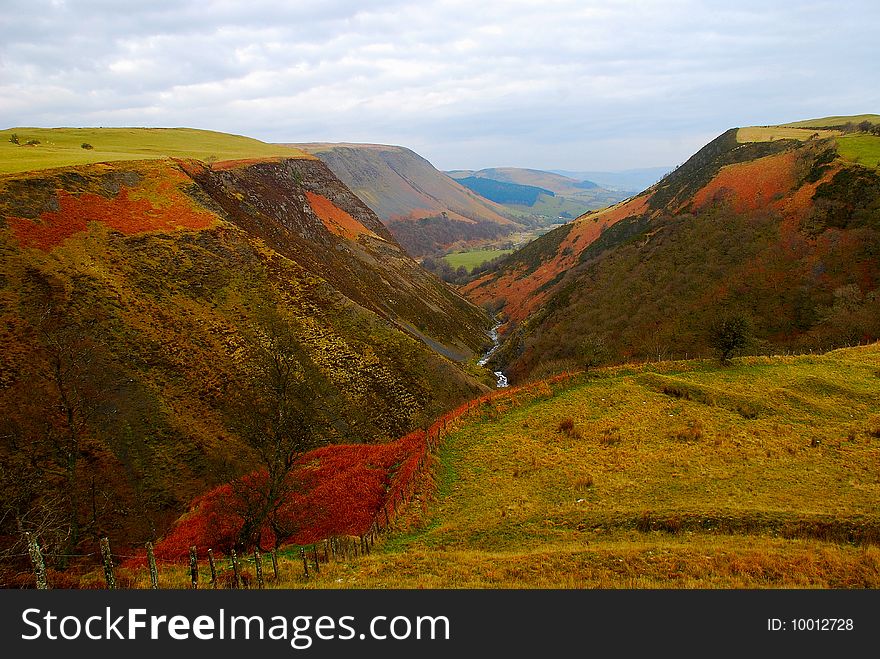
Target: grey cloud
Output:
[{"x": 562, "y": 83}]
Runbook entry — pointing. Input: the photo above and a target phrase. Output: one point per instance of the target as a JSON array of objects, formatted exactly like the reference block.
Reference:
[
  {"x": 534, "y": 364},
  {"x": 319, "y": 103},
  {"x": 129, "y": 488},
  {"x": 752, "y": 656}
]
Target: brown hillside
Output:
[
  {"x": 424, "y": 209},
  {"x": 783, "y": 230},
  {"x": 131, "y": 296}
]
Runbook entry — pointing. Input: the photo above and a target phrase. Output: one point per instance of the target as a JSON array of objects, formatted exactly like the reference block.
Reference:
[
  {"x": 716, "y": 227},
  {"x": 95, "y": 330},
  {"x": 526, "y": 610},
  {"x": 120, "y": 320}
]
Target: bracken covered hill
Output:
[
  {"x": 131, "y": 295},
  {"x": 779, "y": 223}
]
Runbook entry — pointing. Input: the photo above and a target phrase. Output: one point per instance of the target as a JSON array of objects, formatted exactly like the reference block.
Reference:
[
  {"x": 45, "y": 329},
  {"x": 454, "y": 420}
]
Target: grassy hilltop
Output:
[{"x": 62, "y": 147}]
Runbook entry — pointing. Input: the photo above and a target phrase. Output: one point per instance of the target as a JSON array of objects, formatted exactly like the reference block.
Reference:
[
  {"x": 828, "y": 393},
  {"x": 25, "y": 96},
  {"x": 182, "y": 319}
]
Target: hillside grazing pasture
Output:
[
  {"x": 472, "y": 258},
  {"x": 63, "y": 147},
  {"x": 771, "y": 133},
  {"x": 765, "y": 473},
  {"x": 860, "y": 148},
  {"x": 827, "y": 122}
]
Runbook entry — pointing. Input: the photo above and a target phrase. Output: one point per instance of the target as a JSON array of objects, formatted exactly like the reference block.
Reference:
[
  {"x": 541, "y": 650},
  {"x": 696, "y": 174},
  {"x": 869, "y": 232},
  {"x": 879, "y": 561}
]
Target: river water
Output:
[{"x": 499, "y": 375}]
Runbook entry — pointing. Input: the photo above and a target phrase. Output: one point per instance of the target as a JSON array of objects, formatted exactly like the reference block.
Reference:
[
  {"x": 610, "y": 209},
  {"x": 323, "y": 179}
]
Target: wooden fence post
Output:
[
  {"x": 193, "y": 568},
  {"x": 107, "y": 559},
  {"x": 37, "y": 562},
  {"x": 154, "y": 571},
  {"x": 213, "y": 569},
  {"x": 235, "y": 578},
  {"x": 258, "y": 563},
  {"x": 317, "y": 567},
  {"x": 274, "y": 563},
  {"x": 302, "y": 553},
  {"x": 327, "y": 551}
]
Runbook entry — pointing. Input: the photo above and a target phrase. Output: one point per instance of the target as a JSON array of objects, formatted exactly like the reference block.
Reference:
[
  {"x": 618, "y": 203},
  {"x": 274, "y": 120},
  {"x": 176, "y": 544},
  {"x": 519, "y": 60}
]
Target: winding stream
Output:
[{"x": 493, "y": 334}]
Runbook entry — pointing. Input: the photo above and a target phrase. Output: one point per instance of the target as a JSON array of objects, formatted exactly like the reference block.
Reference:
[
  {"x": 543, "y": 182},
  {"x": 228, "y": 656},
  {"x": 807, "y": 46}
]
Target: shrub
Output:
[
  {"x": 86, "y": 146},
  {"x": 14, "y": 139},
  {"x": 692, "y": 432},
  {"x": 610, "y": 436},
  {"x": 747, "y": 411},
  {"x": 565, "y": 426},
  {"x": 584, "y": 482},
  {"x": 32, "y": 142},
  {"x": 874, "y": 426},
  {"x": 729, "y": 334}
]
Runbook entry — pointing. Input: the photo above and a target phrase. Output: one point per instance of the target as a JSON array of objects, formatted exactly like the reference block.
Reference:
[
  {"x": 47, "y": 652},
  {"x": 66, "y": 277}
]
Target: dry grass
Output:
[
  {"x": 771, "y": 133},
  {"x": 662, "y": 491}
]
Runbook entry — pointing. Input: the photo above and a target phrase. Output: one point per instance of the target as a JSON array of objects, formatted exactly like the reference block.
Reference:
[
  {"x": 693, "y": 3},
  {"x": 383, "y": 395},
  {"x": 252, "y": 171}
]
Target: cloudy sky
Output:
[{"x": 562, "y": 84}]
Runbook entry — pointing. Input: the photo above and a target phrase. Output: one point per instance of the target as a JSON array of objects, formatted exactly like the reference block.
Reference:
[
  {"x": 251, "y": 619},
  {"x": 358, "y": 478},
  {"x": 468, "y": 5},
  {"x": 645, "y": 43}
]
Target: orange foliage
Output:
[
  {"x": 121, "y": 213},
  {"x": 339, "y": 490},
  {"x": 799, "y": 204},
  {"x": 524, "y": 294},
  {"x": 335, "y": 219},
  {"x": 751, "y": 185}
]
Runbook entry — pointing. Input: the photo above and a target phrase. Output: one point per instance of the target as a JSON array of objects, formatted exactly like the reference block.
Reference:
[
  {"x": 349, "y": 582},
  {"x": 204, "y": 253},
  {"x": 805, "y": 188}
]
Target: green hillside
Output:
[
  {"x": 834, "y": 122},
  {"x": 678, "y": 474},
  {"x": 62, "y": 147},
  {"x": 503, "y": 192},
  {"x": 861, "y": 149},
  {"x": 473, "y": 258}
]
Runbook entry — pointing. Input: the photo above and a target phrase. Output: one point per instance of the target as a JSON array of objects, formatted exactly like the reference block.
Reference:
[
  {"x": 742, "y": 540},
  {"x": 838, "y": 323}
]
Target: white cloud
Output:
[{"x": 563, "y": 83}]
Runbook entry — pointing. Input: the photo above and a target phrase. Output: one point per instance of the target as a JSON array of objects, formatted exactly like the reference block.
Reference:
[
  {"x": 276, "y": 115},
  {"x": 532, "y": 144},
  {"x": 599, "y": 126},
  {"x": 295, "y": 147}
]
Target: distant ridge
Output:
[{"x": 423, "y": 208}]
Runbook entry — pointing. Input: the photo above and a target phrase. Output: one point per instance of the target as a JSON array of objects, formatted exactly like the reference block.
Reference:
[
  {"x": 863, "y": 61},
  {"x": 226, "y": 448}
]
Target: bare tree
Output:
[
  {"x": 283, "y": 409},
  {"x": 58, "y": 404}
]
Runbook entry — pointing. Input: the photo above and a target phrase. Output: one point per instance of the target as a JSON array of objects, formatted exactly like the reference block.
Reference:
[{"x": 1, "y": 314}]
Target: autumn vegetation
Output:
[
  {"x": 138, "y": 301},
  {"x": 783, "y": 230},
  {"x": 232, "y": 352},
  {"x": 664, "y": 475}
]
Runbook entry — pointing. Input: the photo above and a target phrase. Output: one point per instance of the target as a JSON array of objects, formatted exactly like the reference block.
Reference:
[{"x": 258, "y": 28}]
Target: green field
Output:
[
  {"x": 472, "y": 258},
  {"x": 62, "y": 147},
  {"x": 825, "y": 122},
  {"x": 860, "y": 148},
  {"x": 552, "y": 207},
  {"x": 681, "y": 475}
]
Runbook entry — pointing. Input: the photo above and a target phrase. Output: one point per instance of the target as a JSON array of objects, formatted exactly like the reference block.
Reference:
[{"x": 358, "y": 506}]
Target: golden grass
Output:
[
  {"x": 757, "y": 475},
  {"x": 835, "y": 121},
  {"x": 763, "y": 474},
  {"x": 771, "y": 133}
]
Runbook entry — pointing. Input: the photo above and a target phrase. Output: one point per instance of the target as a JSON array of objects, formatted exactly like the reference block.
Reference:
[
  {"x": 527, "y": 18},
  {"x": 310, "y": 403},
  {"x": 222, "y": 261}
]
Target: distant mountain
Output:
[
  {"x": 424, "y": 209},
  {"x": 563, "y": 197},
  {"x": 780, "y": 224},
  {"x": 535, "y": 177},
  {"x": 139, "y": 296},
  {"x": 631, "y": 180},
  {"x": 505, "y": 193}
]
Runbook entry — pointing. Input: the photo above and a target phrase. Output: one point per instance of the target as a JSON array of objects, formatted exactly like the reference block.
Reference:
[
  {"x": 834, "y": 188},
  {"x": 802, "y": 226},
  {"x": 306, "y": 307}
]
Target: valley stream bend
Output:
[{"x": 493, "y": 334}]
